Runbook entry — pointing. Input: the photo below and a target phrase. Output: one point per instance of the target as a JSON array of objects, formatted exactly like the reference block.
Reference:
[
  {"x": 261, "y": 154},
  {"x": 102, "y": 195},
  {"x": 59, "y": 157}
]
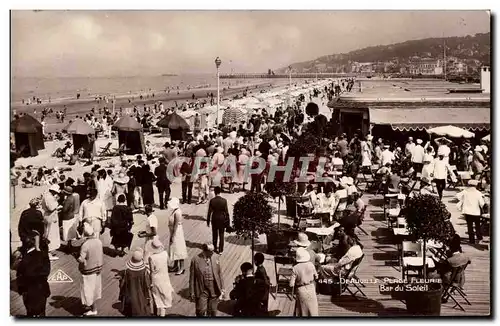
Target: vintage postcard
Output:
[{"x": 250, "y": 163}]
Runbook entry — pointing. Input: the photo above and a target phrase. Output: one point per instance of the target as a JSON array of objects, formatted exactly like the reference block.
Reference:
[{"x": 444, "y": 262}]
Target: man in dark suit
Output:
[
  {"x": 32, "y": 274},
  {"x": 205, "y": 282},
  {"x": 219, "y": 215},
  {"x": 249, "y": 293},
  {"x": 30, "y": 222},
  {"x": 162, "y": 182}
]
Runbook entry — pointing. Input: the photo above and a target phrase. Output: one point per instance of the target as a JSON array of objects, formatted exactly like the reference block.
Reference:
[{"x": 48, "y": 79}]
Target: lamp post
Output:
[
  {"x": 290, "y": 76},
  {"x": 217, "y": 64}
]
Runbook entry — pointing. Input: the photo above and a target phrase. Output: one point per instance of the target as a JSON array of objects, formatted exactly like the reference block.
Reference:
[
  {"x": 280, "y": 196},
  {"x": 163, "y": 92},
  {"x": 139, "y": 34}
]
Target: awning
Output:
[{"x": 406, "y": 119}]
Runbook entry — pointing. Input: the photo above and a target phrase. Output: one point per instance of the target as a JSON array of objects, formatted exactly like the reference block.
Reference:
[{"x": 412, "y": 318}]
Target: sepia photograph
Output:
[{"x": 250, "y": 163}]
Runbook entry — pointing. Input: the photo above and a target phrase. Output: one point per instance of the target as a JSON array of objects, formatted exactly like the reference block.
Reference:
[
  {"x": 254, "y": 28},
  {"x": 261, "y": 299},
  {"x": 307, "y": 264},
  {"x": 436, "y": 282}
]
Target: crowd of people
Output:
[{"x": 107, "y": 199}]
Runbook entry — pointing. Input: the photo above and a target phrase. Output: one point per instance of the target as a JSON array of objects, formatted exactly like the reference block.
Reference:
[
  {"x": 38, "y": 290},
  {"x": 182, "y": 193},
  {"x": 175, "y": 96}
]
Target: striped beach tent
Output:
[{"x": 234, "y": 116}]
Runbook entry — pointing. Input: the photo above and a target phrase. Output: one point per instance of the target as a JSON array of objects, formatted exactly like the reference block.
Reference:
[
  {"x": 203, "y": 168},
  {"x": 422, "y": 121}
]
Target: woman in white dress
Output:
[
  {"x": 178, "y": 250},
  {"x": 104, "y": 185},
  {"x": 242, "y": 166},
  {"x": 161, "y": 288},
  {"x": 50, "y": 212},
  {"x": 366, "y": 155}
]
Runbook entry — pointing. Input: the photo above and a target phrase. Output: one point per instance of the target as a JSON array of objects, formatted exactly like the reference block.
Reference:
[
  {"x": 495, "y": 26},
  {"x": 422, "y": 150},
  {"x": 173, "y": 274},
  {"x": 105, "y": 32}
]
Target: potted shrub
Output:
[
  {"x": 427, "y": 219},
  {"x": 252, "y": 216},
  {"x": 279, "y": 234}
]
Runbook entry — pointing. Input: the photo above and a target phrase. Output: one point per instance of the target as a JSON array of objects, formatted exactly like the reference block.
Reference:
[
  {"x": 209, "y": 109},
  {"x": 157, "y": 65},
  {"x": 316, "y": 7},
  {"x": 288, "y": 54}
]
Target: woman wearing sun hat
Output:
[
  {"x": 134, "y": 286},
  {"x": 302, "y": 241},
  {"x": 178, "y": 250},
  {"x": 161, "y": 288},
  {"x": 303, "y": 280}
]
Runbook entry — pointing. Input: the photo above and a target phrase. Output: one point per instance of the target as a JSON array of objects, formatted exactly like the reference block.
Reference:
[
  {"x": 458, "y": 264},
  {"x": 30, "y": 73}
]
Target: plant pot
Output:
[
  {"x": 291, "y": 206},
  {"x": 278, "y": 241},
  {"x": 425, "y": 303}
]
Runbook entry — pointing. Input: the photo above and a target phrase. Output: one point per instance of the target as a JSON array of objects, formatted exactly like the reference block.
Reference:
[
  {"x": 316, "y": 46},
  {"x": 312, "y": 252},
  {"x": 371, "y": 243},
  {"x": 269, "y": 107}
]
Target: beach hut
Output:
[
  {"x": 28, "y": 135},
  {"x": 82, "y": 134},
  {"x": 178, "y": 127},
  {"x": 130, "y": 135}
]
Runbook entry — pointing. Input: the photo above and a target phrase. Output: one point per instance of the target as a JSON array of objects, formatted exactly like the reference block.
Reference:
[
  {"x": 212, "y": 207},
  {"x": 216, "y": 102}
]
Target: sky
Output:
[{"x": 131, "y": 43}]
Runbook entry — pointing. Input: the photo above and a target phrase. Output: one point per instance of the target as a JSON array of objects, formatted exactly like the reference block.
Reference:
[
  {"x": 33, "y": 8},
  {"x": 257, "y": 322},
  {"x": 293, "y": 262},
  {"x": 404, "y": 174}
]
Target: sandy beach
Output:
[{"x": 82, "y": 106}]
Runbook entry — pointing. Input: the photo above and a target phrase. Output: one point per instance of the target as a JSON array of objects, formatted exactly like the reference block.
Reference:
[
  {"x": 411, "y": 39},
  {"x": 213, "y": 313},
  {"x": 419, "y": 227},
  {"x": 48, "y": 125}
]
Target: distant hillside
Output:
[{"x": 475, "y": 48}]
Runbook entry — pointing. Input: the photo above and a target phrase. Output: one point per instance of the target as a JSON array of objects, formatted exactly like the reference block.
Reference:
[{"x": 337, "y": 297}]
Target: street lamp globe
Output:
[{"x": 217, "y": 62}]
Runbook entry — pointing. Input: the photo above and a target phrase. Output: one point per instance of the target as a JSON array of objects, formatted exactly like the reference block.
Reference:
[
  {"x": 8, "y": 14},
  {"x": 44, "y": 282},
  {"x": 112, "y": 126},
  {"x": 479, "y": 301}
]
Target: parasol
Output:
[
  {"x": 233, "y": 116},
  {"x": 127, "y": 123},
  {"x": 187, "y": 114},
  {"x": 451, "y": 131},
  {"x": 173, "y": 121},
  {"x": 79, "y": 127}
]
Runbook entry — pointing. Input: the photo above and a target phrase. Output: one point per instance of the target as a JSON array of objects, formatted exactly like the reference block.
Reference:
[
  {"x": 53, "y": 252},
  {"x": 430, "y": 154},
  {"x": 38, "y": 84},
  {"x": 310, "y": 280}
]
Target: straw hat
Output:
[
  {"x": 88, "y": 230},
  {"x": 346, "y": 181},
  {"x": 302, "y": 255},
  {"x": 419, "y": 141},
  {"x": 258, "y": 154},
  {"x": 425, "y": 181},
  {"x": 35, "y": 202},
  {"x": 157, "y": 246},
  {"x": 302, "y": 240},
  {"x": 478, "y": 148},
  {"x": 173, "y": 203},
  {"x": 68, "y": 190},
  {"x": 122, "y": 178},
  {"x": 136, "y": 262},
  {"x": 54, "y": 188},
  {"x": 369, "y": 137},
  {"x": 473, "y": 183},
  {"x": 387, "y": 146}
]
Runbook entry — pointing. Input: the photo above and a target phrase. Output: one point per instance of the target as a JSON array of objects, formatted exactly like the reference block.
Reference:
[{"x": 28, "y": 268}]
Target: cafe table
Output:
[{"x": 323, "y": 232}]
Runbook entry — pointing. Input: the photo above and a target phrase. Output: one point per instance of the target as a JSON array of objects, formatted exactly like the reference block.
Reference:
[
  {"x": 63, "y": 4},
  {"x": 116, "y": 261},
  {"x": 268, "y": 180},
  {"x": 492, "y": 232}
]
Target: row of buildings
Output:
[{"x": 414, "y": 66}]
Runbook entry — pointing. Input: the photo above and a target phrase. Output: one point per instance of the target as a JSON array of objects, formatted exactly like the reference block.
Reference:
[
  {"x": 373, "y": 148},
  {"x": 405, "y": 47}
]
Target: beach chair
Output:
[
  {"x": 350, "y": 280},
  {"x": 122, "y": 149},
  {"x": 455, "y": 288},
  {"x": 283, "y": 275},
  {"x": 106, "y": 150}
]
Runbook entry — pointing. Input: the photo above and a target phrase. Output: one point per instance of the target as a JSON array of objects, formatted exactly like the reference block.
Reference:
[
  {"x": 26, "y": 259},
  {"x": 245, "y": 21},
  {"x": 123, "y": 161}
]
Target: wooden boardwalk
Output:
[{"x": 378, "y": 248}]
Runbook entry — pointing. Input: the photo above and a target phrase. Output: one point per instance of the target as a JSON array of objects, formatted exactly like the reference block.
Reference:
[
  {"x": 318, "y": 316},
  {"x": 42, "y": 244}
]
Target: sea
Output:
[{"x": 23, "y": 88}]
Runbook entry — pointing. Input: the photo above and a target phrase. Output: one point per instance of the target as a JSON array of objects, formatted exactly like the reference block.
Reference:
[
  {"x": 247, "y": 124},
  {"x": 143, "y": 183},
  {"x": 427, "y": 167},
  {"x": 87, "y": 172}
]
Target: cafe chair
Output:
[
  {"x": 454, "y": 288},
  {"x": 304, "y": 212},
  {"x": 361, "y": 218},
  {"x": 410, "y": 249},
  {"x": 351, "y": 283},
  {"x": 340, "y": 209},
  {"x": 283, "y": 275}
]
